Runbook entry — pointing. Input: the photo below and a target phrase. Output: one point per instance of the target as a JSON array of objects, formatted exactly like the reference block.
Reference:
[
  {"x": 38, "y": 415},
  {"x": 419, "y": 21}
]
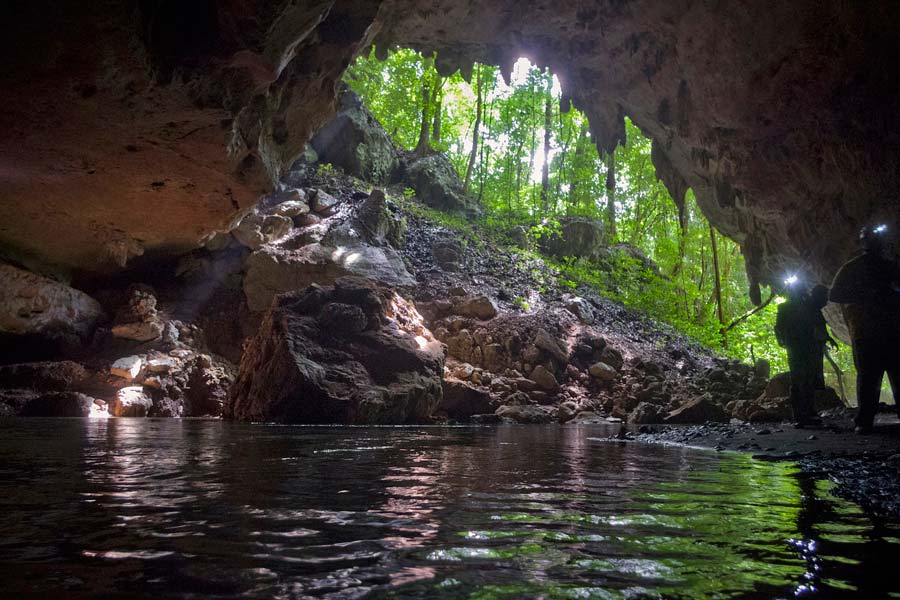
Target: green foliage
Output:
[{"x": 520, "y": 127}]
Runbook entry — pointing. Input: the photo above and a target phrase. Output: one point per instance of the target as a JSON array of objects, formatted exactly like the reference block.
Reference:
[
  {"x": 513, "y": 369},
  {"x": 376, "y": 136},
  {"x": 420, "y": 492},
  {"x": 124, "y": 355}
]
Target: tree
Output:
[
  {"x": 479, "y": 107},
  {"x": 611, "y": 196}
]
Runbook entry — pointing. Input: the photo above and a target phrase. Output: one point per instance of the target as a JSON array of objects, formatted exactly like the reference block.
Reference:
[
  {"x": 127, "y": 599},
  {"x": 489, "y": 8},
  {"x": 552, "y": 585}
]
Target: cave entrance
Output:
[{"x": 528, "y": 159}]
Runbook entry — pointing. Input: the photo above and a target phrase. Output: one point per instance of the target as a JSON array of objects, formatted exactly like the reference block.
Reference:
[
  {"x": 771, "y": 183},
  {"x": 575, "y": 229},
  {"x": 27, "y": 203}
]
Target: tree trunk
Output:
[
  {"x": 611, "y": 196},
  {"x": 437, "y": 100},
  {"x": 577, "y": 157},
  {"x": 545, "y": 170},
  {"x": 720, "y": 310},
  {"x": 425, "y": 124},
  {"x": 473, "y": 154}
]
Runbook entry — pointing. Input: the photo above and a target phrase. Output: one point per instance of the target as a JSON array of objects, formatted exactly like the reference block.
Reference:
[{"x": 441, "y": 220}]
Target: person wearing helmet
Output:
[
  {"x": 868, "y": 287},
  {"x": 794, "y": 330}
]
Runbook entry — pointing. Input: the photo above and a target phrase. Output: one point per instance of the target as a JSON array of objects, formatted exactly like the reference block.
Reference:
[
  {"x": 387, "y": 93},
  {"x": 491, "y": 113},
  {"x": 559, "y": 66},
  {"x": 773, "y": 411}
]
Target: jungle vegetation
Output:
[{"x": 527, "y": 156}]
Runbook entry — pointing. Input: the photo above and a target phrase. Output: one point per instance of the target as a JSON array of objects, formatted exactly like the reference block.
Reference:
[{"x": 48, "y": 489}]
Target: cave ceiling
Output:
[{"x": 133, "y": 127}]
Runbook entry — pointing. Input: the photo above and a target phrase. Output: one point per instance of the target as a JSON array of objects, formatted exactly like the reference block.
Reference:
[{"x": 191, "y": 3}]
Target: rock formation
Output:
[
  {"x": 138, "y": 129},
  {"x": 354, "y": 352}
]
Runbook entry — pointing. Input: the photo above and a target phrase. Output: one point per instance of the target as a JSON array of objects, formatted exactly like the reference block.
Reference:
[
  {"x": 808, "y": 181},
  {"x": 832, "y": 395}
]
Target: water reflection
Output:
[{"x": 181, "y": 508}]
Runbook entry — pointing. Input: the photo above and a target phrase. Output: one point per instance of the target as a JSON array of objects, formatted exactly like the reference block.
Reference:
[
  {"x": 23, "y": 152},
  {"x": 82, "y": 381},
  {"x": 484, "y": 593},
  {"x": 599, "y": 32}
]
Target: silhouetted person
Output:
[
  {"x": 794, "y": 329},
  {"x": 867, "y": 286},
  {"x": 818, "y": 298}
]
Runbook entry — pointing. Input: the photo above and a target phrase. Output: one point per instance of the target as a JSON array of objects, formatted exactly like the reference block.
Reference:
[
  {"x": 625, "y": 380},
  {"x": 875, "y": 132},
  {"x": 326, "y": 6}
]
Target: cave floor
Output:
[{"x": 865, "y": 468}]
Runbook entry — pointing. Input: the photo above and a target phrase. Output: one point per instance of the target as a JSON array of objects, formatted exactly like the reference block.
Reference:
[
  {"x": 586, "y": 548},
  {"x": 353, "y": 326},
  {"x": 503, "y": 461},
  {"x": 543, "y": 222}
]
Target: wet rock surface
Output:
[{"x": 862, "y": 467}]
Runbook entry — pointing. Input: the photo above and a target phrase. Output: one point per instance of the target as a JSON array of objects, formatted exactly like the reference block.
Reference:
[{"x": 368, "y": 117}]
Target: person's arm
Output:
[{"x": 779, "y": 326}]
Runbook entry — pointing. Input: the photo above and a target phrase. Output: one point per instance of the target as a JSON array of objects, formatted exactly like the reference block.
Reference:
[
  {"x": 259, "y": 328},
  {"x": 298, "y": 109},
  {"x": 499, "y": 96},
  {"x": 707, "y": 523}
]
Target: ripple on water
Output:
[{"x": 207, "y": 508}]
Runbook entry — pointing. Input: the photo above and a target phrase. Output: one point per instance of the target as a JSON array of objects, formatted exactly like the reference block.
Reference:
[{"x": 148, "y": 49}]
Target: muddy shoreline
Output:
[{"x": 864, "y": 468}]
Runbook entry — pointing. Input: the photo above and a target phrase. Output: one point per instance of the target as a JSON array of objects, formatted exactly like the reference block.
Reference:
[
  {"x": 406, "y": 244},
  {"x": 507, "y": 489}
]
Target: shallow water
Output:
[{"x": 182, "y": 508}]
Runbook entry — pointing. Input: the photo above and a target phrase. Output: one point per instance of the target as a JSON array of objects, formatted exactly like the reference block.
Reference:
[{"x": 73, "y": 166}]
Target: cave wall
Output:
[{"x": 141, "y": 126}]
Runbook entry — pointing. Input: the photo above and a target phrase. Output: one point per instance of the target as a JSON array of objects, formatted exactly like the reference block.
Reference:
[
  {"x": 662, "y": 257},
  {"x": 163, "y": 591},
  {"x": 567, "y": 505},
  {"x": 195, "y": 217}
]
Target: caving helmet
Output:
[{"x": 873, "y": 237}]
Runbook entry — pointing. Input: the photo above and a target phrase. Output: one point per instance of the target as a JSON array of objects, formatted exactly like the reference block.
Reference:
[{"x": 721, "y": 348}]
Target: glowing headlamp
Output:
[{"x": 791, "y": 280}]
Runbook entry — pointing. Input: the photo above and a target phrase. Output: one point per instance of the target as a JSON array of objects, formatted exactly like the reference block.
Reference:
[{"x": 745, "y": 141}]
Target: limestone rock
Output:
[
  {"x": 272, "y": 271},
  {"x": 131, "y": 402},
  {"x": 290, "y": 202},
  {"x": 437, "y": 183},
  {"x": 296, "y": 370},
  {"x": 581, "y": 308},
  {"x": 612, "y": 357},
  {"x": 355, "y": 141},
  {"x": 377, "y": 222},
  {"x": 139, "y": 320},
  {"x": 544, "y": 379},
  {"x": 646, "y": 413},
  {"x": 603, "y": 371},
  {"x": 322, "y": 202},
  {"x": 59, "y": 404},
  {"x": 698, "y": 410},
  {"x": 207, "y": 388},
  {"x": 479, "y": 307},
  {"x": 529, "y": 414},
  {"x": 291, "y": 209},
  {"x": 162, "y": 364},
  {"x": 43, "y": 376},
  {"x": 462, "y": 400},
  {"x": 255, "y": 230},
  {"x": 128, "y": 367},
  {"x": 32, "y": 305},
  {"x": 579, "y": 237},
  {"x": 449, "y": 254},
  {"x": 553, "y": 345}
]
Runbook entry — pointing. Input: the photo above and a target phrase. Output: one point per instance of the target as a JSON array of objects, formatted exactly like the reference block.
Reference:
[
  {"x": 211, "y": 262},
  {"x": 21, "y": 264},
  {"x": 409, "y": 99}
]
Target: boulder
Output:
[
  {"x": 698, "y": 410},
  {"x": 437, "y": 183},
  {"x": 59, "y": 404},
  {"x": 552, "y": 345},
  {"x": 322, "y": 202},
  {"x": 43, "y": 376},
  {"x": 139, "y": 320},
  {"x": 602, "y": 371},
  {"x": 355, "y": 141},
  {"x": 612, "y": 357},
  {"x": 544, "y": 379},
  {"x": 289, "y": 202},
  {"x": 377, "y": 222},
  {"x": 645, "y": 412},
  {"x": 478, "y": 307},
  {"x": 299, "y": 370},
  {"x": 462, "y": 400},
  {"x": 448, "y": 254},
  {"x": 581, "y": 308},
  {"x": 207, "y": 388},
  {"x": 529, "y": 413},
  {"x": 43, "y": 313},
  {"x": 127, "y": 367},
  {"x": 131, "y": 401},
  {"x": 273, "y": 270},
  {"x": 255, "y": 230},
  {"x": 578, "y": 237}
]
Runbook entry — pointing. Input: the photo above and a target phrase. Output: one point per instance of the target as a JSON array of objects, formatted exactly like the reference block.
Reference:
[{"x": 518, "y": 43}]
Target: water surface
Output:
[{"x": 186, "y": 508}]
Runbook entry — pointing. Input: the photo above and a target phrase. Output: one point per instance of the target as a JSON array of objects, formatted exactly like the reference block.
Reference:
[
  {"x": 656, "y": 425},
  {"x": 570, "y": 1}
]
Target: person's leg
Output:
[
  {"x": 892, "y": 355},
  {"x": 807, "y": 387},
  {"x": 819, "y": 366},
  {"x": 802, "y": 383},
  {"x": 869, "y": 373}
]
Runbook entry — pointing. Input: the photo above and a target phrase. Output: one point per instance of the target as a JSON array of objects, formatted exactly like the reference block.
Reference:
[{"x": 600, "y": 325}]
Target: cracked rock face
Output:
[{"x": 128, "y": 130}]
